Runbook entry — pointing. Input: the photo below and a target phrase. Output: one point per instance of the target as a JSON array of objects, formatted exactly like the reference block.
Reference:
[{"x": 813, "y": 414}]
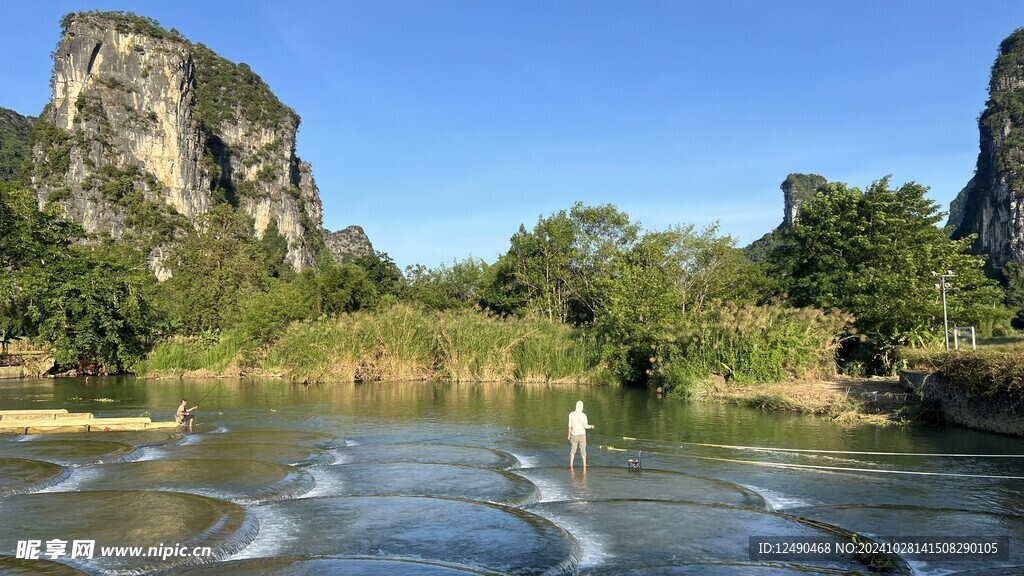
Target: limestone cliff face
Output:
[
  {"x": 992, "y": 203},
  {"x": 151, "y": 131},
  {"x": 348, "y": 244}
]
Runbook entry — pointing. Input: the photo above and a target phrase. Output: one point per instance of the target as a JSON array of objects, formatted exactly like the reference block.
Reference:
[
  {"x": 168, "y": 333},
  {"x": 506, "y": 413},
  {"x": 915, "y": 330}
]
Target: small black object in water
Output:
[{"x": 635, "y": 464}]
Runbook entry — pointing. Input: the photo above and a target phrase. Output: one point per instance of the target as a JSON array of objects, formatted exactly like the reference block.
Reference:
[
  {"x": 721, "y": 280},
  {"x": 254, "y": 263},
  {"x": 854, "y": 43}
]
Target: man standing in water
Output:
[
  {"x": 184, "y": 416},
  {"x": 578, "y": 426}
]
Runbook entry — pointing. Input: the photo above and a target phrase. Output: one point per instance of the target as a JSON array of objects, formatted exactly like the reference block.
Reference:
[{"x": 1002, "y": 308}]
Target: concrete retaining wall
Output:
[
  {"x": 10, "y": 372},
  {"x": 1002, "y": 413}
]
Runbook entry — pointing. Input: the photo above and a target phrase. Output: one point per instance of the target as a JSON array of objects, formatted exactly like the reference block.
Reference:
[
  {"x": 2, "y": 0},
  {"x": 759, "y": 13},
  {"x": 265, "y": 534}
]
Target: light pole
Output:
[{"x": 945, "y": 315}]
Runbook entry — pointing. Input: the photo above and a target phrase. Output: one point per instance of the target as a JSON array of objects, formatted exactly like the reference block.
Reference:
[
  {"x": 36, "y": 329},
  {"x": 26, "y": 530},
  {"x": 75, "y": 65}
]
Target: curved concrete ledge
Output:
[{"x": 44, "y": 421}]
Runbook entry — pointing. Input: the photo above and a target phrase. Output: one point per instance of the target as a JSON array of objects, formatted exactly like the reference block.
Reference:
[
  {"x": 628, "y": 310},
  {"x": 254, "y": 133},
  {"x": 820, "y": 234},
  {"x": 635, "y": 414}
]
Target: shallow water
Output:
[{"x": 421, "y": 478}]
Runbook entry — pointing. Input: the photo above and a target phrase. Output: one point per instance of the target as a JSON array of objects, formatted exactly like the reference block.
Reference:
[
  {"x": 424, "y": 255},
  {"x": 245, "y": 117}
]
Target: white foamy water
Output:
[
  {"x": 549, "y": 490},
  {"x": 276, "y": 531},
  {"x": 339, "y": 456},
  {"x": 592, "y": 548},
  {"x": 525, "y": 461},
  {"x": 148, "y": 453},
  {"x": 777, "y": 500},
  {"x": 326, "y": 484},
  {"x": 74, "y": 481}
]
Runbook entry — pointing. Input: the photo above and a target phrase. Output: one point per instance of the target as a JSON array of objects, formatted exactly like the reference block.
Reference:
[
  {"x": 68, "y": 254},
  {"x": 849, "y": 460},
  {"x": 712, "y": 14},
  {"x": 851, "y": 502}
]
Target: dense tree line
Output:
[{"x": 854, "y": 276}]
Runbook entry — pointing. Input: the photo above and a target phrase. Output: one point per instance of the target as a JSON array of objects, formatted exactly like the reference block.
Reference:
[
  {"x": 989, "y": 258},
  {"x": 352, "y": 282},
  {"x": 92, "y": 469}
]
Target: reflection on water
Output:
[{"x": 420, "y": 478}]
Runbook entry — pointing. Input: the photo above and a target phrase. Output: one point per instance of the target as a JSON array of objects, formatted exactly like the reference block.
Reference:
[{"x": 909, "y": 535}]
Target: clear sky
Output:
[{"x": 442, "y": 125}]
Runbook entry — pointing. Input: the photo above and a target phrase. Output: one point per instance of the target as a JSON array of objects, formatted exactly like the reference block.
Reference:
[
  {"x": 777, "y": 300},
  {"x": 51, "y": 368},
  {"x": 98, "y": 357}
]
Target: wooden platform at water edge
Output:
[{"x": 43, "y": 421}]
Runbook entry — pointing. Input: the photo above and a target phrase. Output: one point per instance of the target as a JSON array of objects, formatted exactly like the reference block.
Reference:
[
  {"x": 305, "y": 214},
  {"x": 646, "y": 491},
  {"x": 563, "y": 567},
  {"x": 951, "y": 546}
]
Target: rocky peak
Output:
[
  {"x": 992, "y": 204},
  {"x": 348, "y": 244},
  {"x": 797, "y": 189},
  {"x": 145, "y": 132}
]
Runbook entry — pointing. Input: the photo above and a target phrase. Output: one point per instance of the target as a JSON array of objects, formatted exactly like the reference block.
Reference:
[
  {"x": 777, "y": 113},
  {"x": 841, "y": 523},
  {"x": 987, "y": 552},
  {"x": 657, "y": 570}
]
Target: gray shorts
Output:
[{"x": 578, "y": 440}]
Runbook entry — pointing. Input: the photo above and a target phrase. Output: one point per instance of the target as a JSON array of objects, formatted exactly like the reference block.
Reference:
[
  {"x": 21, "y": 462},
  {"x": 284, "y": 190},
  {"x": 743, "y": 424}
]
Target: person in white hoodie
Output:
[{"x": 578, "y": 426}]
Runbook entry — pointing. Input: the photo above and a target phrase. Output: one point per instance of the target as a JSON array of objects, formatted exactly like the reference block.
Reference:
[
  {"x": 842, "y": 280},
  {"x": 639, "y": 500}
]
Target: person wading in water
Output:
[
  {"x": 184, "y": 416},
  {"x": 578, "y": 426}
]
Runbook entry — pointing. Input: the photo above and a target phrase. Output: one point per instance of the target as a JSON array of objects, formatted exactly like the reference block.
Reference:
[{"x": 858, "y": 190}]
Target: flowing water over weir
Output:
[{"x": 473, "y": 479}]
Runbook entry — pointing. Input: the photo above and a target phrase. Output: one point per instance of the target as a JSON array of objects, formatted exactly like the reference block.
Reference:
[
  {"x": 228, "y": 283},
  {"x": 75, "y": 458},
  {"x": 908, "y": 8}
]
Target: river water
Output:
[{"x": 457, "y": 479}]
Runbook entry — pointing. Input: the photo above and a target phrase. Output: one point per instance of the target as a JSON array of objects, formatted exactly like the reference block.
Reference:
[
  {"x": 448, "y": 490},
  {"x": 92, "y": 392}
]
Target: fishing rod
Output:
[
  {"x": 619, "y": 420},
  {"x": 212, "y": 388}
]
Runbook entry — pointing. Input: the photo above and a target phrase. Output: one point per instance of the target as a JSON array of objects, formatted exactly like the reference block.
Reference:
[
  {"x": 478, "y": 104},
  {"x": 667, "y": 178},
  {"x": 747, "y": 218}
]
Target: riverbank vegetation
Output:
[
  {"x": 996, "y": 368},
  {"x": 585, "y": 295},
  {"x": 403, "y": 342}
]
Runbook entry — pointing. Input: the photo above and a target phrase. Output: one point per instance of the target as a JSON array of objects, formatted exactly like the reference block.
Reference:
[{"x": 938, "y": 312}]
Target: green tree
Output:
[
  {"x": 555, "y": 269},
  {"x": 266, "y": 314},
  {"x": 215, "y": 269},
  {"x": 446, "y": 287},
  {"x": 15, "y": 131},
  {"x": 708, "y": 267},
  {"x": 274, "y": 249},
  {"x": 382, "y": 272},
  {"x": 642, "y": 303},
  {"x": 874, "y": 254},
  {"x": 29, "y": 236},
  {"x": 95, "y": 310},
  {"x": 662, "y": 284},
  {"x": 341, "y": 288}
]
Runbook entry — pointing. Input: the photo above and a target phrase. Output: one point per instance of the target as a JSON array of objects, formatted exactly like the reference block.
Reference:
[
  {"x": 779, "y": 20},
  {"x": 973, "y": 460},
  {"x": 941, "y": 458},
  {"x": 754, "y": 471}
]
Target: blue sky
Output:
[{"x": 441, "y": 126}]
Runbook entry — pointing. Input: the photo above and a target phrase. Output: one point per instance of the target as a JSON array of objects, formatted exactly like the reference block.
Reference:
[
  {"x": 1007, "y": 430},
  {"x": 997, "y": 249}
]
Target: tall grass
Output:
[
  {"x": 749, "y": 344},
  {"x": 398, "y": 344},
  {"x": 180, "y": 355},
  {"x": 744, "y": 344}
]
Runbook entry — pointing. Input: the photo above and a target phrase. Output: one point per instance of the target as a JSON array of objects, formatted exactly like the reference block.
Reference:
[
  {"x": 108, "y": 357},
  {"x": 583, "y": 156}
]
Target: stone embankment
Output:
[{"x": 1002, "y": 412}]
